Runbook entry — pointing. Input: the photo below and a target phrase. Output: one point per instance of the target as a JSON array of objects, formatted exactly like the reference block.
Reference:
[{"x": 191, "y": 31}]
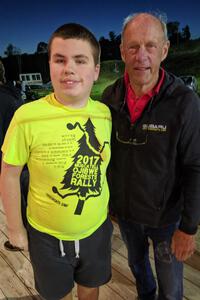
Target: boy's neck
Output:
[{"x": 73, "y": 103}]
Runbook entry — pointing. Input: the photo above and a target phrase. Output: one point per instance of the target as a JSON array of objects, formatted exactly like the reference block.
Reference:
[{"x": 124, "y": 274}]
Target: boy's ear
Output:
[{"x": 97, "y": 71}]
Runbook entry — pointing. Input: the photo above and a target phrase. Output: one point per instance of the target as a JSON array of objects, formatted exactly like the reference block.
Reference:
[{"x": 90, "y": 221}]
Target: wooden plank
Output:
[
  {"x": 120, "y": 264},
  {"x": 198, "y": 241},
  {"x": 18, "y": 262},
  {"x": 10, "y": 283},
  {"x": 2, "y": 220},
  {"x": 118, "y": 245},
  {"x": 192, "y": 276},
  {"x": 122, "y": 286},
  {"x": 191, "y": 292},
  {"x": 19, "y": 265},
  {"x": 20, "y": 269},
  {"x": 194, "y": 261},
  {"x": 2, "y": 296},
  {"x": 1, "y": 204},
  {"x": 105, "y": 293}
]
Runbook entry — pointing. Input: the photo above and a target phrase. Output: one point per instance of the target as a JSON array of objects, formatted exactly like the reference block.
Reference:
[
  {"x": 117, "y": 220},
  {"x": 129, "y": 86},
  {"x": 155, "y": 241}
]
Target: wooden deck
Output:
[{"x": 16, "y": 276}]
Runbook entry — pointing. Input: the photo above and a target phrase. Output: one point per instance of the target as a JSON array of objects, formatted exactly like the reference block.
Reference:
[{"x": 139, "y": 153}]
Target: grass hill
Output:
[
  {"x": 185, "y": 61},
  {"x": 110, "y": 71},
  {"x": 182, "y": 61}
]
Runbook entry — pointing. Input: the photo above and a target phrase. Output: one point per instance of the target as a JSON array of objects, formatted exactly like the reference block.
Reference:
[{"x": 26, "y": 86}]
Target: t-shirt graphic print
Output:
[{"x": 83, "y": 177}]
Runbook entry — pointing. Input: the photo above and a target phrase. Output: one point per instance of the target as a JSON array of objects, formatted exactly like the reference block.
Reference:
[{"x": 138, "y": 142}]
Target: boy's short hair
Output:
[
  {"x": 77, "y": 31},
  {"x": 2, "y": 73}
]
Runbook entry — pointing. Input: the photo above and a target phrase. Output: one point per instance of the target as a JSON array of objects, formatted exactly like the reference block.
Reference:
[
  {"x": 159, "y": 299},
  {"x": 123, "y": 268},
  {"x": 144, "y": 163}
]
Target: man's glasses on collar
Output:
[{"x": 136, "y": 141}]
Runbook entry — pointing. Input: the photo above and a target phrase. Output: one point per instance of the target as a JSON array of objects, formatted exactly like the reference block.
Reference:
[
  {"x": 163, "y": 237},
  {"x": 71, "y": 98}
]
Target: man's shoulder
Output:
[
  {"x": 184, "y": 100},
  {"x": 184, "y": 94},
  {"x": 118, "y": 84},
  {"x": 175, "y": 89},
  {"x": 114, "y": 91}
]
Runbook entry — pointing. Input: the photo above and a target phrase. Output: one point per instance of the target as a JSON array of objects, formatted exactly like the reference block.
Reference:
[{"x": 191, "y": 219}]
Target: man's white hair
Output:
[{"x": 162, "y": 18}]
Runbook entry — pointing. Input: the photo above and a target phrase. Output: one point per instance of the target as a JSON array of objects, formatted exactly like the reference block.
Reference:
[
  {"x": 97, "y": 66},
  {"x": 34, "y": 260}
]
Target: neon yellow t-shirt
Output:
[{"x": 67, "y": 151}]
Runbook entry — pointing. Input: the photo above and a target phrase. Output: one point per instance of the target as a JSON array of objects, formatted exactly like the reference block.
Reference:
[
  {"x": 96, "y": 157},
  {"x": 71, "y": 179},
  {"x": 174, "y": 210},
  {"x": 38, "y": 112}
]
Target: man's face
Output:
[
  {"x": 143, "y": 49},
  {"x": 72, "y": 70}
]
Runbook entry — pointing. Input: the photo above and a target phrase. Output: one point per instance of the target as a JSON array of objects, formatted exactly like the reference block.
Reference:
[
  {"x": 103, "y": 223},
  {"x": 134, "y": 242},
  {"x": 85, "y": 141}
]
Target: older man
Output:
[{"x": 155, "y": 163}]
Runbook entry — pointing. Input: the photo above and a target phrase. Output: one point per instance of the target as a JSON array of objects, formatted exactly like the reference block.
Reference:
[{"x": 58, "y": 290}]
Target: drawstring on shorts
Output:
[
  {"x": 62, "y": 251},
  {"x": 76, "y": 245},
  {"x": 77, "y": 248}
]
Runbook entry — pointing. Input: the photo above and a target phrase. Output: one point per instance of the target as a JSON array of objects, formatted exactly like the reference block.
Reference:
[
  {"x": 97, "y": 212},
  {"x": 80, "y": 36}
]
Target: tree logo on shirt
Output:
[{"x": 83, "y": 177}]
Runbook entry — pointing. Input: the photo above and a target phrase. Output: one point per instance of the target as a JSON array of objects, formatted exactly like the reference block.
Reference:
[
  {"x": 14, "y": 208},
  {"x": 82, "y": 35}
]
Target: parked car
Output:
[
  {"x": 190, "y": 81},
  {"x": 34, "y": 92},
  {"x": 48, "y": 86}
]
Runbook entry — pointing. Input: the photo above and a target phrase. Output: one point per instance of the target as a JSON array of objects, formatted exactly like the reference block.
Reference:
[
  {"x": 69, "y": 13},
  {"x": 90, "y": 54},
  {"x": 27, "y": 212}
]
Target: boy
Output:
[{"x": 65, "y": 140}]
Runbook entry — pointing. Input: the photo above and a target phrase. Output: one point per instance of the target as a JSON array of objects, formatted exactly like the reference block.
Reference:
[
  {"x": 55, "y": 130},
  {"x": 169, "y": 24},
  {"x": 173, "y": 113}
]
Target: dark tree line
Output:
[
  {"x": 26, "y": 63},
  {"x": 15, "y": 62},
  {"x": 110, "y": 47},
  {"x": 176, "y": 36}
]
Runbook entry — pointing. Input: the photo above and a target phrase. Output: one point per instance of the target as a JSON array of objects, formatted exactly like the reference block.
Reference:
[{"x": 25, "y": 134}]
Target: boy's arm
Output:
[{"x": 11, "y": 198}]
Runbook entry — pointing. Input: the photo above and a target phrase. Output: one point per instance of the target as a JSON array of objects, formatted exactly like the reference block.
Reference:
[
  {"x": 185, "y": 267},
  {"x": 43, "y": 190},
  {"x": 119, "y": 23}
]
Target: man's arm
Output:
[
  {"x": 183, "y": 241},
  {"x": 11, "y": 198}
]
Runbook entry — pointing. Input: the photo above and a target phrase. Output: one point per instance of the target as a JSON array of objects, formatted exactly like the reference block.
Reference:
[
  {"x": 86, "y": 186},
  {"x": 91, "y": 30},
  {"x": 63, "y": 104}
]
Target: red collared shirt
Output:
[{"x": 136, "y": 104}]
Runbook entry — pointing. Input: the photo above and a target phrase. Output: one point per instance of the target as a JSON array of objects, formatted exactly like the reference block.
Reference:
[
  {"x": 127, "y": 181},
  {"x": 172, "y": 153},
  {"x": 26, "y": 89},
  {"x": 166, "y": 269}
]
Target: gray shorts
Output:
[{"x": 55, "y": 274}]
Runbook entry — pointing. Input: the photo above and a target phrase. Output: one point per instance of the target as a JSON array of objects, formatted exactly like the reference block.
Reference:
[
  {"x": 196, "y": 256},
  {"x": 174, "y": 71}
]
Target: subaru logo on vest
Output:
[{"x": 154, "y": 127}]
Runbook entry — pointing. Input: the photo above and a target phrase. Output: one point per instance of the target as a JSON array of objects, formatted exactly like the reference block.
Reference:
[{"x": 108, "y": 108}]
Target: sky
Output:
[{"x": 26, "y": 23}]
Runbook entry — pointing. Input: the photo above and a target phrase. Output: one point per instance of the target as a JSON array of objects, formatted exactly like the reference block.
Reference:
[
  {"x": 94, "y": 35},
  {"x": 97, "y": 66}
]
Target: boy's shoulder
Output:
[
  {"x": 34, "y": 105},
  {"x": 33, "y": 109},
  {"x": 100, "y": 106}
]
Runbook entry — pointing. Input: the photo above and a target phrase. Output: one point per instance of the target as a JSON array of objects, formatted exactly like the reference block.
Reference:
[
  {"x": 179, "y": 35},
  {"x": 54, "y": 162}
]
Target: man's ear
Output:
[
  {"x": 122, "y": 52},
  {"x": 165, "y": 50}
]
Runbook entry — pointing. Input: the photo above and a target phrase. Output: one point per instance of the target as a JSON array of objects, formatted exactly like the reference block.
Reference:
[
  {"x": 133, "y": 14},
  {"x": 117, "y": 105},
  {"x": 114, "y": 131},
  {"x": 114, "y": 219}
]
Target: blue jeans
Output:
[{"x": 169, "y": 271}]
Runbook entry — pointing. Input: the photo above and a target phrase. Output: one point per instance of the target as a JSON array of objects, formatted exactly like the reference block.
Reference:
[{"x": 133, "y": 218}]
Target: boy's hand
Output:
[{"x": 18, "y": 239}]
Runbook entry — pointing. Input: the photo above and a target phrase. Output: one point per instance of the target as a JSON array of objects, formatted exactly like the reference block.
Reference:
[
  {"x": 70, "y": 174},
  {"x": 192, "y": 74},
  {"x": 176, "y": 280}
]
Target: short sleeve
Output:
[{"x": 15, "y": 147}]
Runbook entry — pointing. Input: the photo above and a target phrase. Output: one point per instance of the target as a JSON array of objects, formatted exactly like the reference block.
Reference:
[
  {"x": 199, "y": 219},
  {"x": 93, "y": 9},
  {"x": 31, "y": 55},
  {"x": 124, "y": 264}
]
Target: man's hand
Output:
[
  {"x": 18, "y": 238},
  {"x": 183, "y": 245}
]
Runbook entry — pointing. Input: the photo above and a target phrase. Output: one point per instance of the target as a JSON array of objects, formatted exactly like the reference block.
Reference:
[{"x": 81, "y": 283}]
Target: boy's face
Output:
[{"x": 72, "y": 71}]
